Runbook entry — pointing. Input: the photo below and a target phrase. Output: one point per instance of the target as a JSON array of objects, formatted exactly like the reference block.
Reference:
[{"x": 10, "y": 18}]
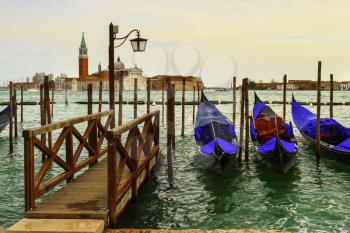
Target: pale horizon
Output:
[{"x": 214, "y": 40}]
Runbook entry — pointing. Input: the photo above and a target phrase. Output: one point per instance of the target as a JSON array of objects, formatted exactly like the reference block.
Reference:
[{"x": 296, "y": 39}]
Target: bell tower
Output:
[{"x": 83, "y": 58}]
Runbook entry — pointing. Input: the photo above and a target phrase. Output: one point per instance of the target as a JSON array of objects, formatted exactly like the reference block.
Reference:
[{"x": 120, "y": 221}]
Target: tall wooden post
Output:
[
  {"x": 148, "y": 95},
  {"x": 99, "y": 89},
  {"x": 15, "y": 111},
  {"x": 121, "y": 89},
  {"x": 198, "y": 99},
  {"x": 169, "y": 131},
  {"x": 173, "y": 114},
  {"x": 246, "y": 103},
  {"x": 93, "y": 134},
  {"x": 42, "y": 118},
  {"x": 241, "y": 123},
  {"x": 21, "y": 103},
  {"x": 193, "y": 104},
  {"x": 331, "y": 97},
  {"x": 47, "y": 107},
  {"x": 65, "y": 95},
  {"x": 284, "y": 95},
  {"x": 234, "y": 101},
  {"x": 11, "y": 118},
  {"x": 89, "y": 95},
  {"x": 183, "y": 107},
  {"x": 163, "y": 86},
  {"x": 135, "y": 98},
  {"x": 111, "y": 73},
  {"x": 318, "y": 137},
  {"x": 52, "y": 96}
]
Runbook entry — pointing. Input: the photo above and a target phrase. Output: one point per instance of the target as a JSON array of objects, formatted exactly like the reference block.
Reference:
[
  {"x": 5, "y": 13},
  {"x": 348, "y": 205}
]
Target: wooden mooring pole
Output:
[
  {"x": 246, "y": 103},
  {"x": 135, "y": 98},
  {"x": 331, "y": 97},
  {"x": 42, "y": 118},
  {"x": 11, "y": 118},
  {"x": 173, "y": 114},
  {"x": 89, "y": 97},
  {"x": 241, "y": 123},
  {"x": 148, "y": 95},
  {"x": 47, "y": 107},
  {"x": 65, "y": 95},
  {"x": 198, "y": 93},
  {"x": 284, "y": 95},
  {"x": 169, "y": 130},
  {"x": 121, "y": 89},
  {"x": 93, "y": 133},
  {"x": 193, "y": 104},
  {"x": 234, "y": 101},
  {"x": 163, "y": 86},
  {"x": 15, "y": 111},
  {"x": 183, "y": 107},
  {"x": 21, "y": 103},
  {"x": 318, "y": 136},
  {"x": 52, "y": 85}
]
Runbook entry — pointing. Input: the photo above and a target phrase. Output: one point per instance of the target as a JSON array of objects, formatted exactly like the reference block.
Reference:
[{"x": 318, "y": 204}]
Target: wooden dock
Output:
[{"x": 114, "y": 170}]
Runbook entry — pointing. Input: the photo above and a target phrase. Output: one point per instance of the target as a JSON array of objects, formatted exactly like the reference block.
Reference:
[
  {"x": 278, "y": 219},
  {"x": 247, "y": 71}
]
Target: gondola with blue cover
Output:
[
  {"x": 214, "y": 134},
  {"x": 334, "y": 137},
  {"x": 273, "y": 137}
]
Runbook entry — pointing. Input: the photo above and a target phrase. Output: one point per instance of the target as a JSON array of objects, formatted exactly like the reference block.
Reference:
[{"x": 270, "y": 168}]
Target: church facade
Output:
[{"x": 81, "y": 82}]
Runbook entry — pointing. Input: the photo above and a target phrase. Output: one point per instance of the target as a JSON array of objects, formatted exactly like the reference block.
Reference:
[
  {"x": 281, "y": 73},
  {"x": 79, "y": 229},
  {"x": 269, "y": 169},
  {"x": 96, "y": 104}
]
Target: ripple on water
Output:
[{"x": 202, "y": 195}]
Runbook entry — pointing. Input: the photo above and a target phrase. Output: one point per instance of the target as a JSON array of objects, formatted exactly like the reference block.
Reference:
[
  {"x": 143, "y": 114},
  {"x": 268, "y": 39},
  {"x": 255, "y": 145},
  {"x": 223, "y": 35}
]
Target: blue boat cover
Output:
[
  {"x": 306, "y": 122},
  {"x": 252, "y": 133},
  {"x": 227, "y": 147},
  {"x": 289, "y": 130},
  {"x": 258, "y": 107},
  {"x": 208, "y": 149},
  {"x": 344, "y": 145},
  {"x": 268, "y": 147},
  {"x": 213, "y": 129},
  {"x": 289, "y": 147}
]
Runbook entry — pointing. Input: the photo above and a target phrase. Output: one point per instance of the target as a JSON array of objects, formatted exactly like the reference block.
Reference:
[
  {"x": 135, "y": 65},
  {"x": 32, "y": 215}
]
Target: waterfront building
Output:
[
  {"x": 81, "y": 82},
  {"x": 345, "y": 85}
]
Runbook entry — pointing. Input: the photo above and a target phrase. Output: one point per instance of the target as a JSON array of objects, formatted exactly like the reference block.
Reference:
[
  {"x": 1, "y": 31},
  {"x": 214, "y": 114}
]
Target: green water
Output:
[{"x": 202, "y": 195}]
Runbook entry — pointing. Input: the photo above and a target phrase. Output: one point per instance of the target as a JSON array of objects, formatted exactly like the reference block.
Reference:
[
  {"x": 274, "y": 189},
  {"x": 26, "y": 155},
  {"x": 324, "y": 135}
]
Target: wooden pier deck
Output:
[{"x": 113, "y": 173}]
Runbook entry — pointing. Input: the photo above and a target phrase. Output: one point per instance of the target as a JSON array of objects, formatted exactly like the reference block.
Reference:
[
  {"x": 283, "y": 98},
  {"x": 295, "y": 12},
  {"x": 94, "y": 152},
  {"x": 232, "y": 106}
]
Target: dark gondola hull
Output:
[
  {"x": 279, "y": 161},
  {"x": 214, "y": 134},
  {"x": 340, "y": 156}
]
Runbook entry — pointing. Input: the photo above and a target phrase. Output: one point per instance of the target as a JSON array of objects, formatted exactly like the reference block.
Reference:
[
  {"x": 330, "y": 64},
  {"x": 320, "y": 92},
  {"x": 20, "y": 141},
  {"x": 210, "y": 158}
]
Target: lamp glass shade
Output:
[{"x": 138, "y": 44}]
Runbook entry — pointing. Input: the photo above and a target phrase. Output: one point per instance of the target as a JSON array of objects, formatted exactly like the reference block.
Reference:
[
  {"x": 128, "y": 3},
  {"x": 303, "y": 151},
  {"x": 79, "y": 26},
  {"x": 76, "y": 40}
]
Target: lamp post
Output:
[{"x": 138, "y": 45}]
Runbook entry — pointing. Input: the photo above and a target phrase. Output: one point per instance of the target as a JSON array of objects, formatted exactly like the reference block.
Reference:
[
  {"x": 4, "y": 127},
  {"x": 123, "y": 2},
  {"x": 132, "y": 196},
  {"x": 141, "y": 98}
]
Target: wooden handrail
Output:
[
  {"x": 131, "y": 124},
  {"x": 91, "y": 140},
  {"x": 135, "y": 156},
  {"x": 61, "y": 124}
]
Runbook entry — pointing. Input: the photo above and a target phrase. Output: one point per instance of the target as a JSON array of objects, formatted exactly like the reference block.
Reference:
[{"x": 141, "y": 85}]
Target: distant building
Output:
[
  {"x": 266, "y": 86},
  {"x": 345, "y": 85},
  {"x": 81, "y": 82}
]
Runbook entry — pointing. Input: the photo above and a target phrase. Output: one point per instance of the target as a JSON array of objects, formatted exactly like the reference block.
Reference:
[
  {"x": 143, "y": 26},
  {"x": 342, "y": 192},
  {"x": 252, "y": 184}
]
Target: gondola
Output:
[
  {"x": 4, "y": 118},
  {"x": 214, "y": 134},
  {"x": 334, "y": 137},
  {"x": 273, "y": 137}
]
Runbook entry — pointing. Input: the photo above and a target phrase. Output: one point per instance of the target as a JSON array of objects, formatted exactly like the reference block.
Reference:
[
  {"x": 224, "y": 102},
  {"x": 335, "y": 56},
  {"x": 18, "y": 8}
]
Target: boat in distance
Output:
[
  {"x": 214, "y": 134},
  {"x": 334, "y": 137},
  {"x": 273, "y": 137}
]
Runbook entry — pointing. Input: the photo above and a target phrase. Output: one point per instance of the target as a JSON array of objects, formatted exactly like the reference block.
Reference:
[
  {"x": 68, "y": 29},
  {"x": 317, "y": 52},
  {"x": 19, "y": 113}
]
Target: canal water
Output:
[{"x": 201, "y": 194}]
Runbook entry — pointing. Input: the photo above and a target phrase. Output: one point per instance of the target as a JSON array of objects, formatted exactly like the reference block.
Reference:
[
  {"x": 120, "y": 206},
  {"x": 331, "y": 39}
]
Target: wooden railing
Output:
[
  {"x": 130, "y": 162},
  {"x": 92, "y": 139}
]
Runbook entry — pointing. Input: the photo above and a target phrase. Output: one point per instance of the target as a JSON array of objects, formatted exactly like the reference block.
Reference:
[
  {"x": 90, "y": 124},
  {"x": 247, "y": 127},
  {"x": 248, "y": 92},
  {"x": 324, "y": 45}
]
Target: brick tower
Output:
[{"x": 83, "y": 59}]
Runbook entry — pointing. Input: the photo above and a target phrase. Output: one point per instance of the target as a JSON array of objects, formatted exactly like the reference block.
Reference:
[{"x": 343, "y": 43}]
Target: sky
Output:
[{"x": 216, "y": 40}]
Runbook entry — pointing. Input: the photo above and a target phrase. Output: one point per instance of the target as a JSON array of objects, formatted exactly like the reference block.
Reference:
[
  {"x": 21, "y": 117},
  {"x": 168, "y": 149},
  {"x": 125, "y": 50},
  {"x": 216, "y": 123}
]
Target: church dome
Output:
[{"x": 118, "y": 65}]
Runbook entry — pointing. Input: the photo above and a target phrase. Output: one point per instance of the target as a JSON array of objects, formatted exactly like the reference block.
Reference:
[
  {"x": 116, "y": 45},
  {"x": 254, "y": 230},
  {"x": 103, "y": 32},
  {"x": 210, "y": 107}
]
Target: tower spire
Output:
[{"x": 83, "y": 43}]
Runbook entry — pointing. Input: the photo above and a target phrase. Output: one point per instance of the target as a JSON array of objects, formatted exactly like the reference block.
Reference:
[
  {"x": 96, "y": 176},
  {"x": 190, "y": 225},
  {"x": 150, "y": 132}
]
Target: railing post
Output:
[
  {"x": 121, "y": 89},
  {"x": 112, "y": 177},
  {"x": 29, "y": 191},
  {"x": 148, "y": 95},
  {"x": 69, "y": 153},
  {"x": 135, "y": 98}
]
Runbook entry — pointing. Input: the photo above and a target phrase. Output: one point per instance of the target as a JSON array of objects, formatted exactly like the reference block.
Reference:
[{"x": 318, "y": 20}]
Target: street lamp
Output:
[{"x": 138, "y": 45}]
